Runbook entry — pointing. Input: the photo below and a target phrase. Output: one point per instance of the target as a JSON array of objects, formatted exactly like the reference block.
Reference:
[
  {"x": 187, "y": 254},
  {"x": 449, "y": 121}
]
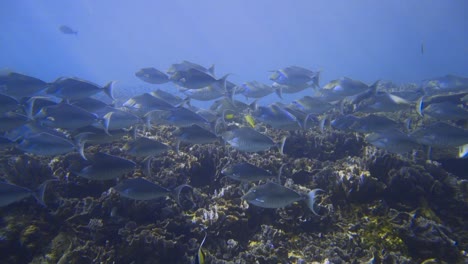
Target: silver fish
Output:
[
  {"x": 145, "y": 147},
  {"x": 10, "y": 193},
  {"x": 273, "y": 195},
  {"x": 249, "y": 140},
  {"x": 75, "y": 88},
  {"x": 8, "y": 103},
  {"x": 277, "y": 117},
  {"x": 45, "y": 144},
  {"x": 18, "y": 85},
  {"x": 118, "y": 119},
  {"x": 295, "y": 75},
  {"x": 179, "y": 117},
  {"x": 254, "y": 89},
  {"x": 393, "y": 140},
  {"x": 441, "y": 135},
  {"x": 311, "y": 105},
  {"x": 12, "y": 120},
  {"x": 106, "y": 167},
  {"x": 67, "y": 30},
  {"x": 65, "y": 116},
  {"x": 187, "y": 65},
  {"x": 246, "y": 172},
  {"x": 141, "y": 189},
  {"x": 152, "y": 75}
]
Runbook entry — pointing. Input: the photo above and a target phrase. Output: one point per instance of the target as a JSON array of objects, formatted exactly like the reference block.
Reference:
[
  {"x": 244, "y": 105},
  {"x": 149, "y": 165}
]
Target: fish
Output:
[
  {"x": 246, "y": 172},
  {"x": 45, "y": 144},
  {"x": 179, "y": 117},
  {"x": 12, "y": 120},
  {"x": 106, "y": 167},
  {"x": 277, "y": 117},
  {"x": 6, "y": 143},
  {"x": 32, "y": 105},
  {"x": 452, "y": 98},
  {"x": 382, "y": 102},
  {"x": 445, "y": 84},
  {"x": 145, "y": 147},
  {"x": 10, "y": 193},
  {"x": 71, "y": 88},
  {"x": 208, "y": 93},
  {"x": 118, "y": 119},
  {"x": 92, "y": 105},
  {"x": 94, "y": 135},
  {"x": 18, "y": 85},
  {"x": 273, "y": 195},
  {"x": 222, "y": 105},
  {"x": 311, "y": 105},
  {"x": 168, "y": 97},
  {"x": 254, "y": 89},
  {"x": 195, "y": 79},
  {"x": 445, "y": 111},
  {"x": 152, "y": 75},
  {"x": 366, "y": 124},
  {"x": 343, "y": 87},
  {"x": 195, "y": 134},
  {"x": 249, "y": 140},
  {"x": 187, "y": 65},
  {"x": 67, "y": 30},
  {"x": 295, "y": 75},
  {"x": 200, "y": 258},
  {"x": 142, "y": 104},
  {"x": 143, "y": 190},
  {"x": 8, "y": 103},
  {"x": 65, "y": 116},
  {"x": 392, "y": 140},
  {"x": 441, "y": 134},
  {"x": 290, "y": 89}
]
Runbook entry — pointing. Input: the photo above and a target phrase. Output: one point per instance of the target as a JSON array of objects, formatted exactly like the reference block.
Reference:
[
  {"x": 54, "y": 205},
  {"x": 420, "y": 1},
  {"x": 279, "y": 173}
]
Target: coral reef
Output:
[{"x": 377, "y": 208}]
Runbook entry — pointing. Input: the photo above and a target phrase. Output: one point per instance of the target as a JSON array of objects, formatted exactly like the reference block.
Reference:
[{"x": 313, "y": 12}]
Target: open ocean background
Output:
[{"x": 363, "y": 40}]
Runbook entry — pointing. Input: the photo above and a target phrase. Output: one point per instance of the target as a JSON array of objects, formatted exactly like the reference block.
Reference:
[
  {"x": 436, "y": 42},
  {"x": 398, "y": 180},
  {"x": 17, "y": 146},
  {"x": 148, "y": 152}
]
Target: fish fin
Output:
[
  {"x": 39, "y": 192},
  {"x": 310, "y": 201},
  {"x": 463, "y": 151},
  {"x": 254, "y": 105},
  {"x": 80, "y": 141},
  {"x": 280, "y": 172},
  {"x": 106, "y": 119},
  {"x": 408, "y": 124},
  {"x": 176, "y": 193},
  {"x": 279, "y": 91},
  {"x": 323, "y": 122},
  {"x": 109, "y": 89},
  {"x": 147, "y": 166},
  {"x": 316, "y": 79},
  {"x": 222, "y": 81},
  {"x": 177, "y": 146},
  {"x": 420, "y": 106},
  {"x": 281, "y": 145},
  {"x": 211, "y": 70}
]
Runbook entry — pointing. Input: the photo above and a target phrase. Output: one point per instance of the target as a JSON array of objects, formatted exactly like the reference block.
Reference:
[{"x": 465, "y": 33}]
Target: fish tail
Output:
[
  {"x": 463, "y": 151},
  {"x": 39, "y": 192},
  {"x": 80, "y": 141},
  {"x": 281, "y": 145},
  {"x": 316, "y": 80},
  {"x": 420, "y": 106},
  {"x": 147, "y": 165},
  {"x": 323, "y": 123},
  {"x": 222, "y": 81},
  {"x": 310, "y": 200},
  {"x": 109, "y": 89},
  {"x": 279, "y": 91},
  {"x": 176, "y": 193}
]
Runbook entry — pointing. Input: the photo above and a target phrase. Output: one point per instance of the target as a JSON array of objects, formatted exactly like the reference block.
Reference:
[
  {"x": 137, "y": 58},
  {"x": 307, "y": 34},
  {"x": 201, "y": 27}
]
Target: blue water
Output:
[{"x": 364, "y": 40}]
